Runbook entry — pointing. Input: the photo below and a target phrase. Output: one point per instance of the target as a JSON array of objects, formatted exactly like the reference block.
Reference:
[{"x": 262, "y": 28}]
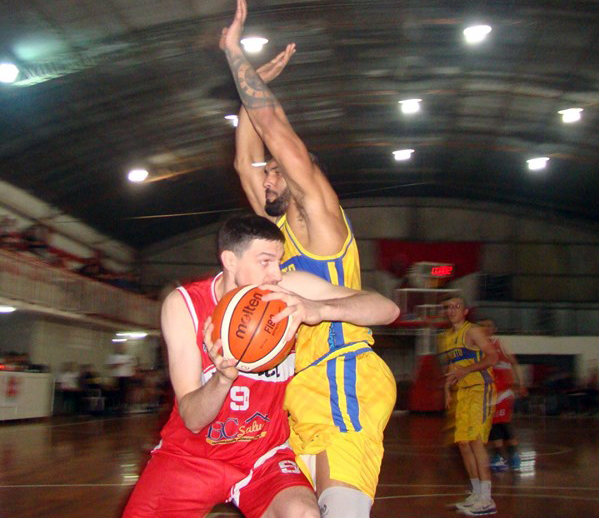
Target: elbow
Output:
[
  {"x": 189, "y": 419},
  {"x": 393, "y": 313}
]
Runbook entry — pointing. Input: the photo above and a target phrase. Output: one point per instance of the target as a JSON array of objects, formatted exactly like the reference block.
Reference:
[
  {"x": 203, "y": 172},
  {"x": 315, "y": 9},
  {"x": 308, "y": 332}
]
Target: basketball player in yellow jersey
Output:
[
  {"x": 343, "y": 394},
  {"x": 468, "y": 355}
]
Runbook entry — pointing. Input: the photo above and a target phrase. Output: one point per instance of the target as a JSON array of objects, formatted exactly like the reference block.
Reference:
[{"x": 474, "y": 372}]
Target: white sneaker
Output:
[
  {"x": 467, "y": 503},
  {"x": 480, "y": 508}
]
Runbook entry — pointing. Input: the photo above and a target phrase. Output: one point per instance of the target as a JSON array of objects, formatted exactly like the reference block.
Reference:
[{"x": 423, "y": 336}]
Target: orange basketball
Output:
[{"x": 244, "y": 324}]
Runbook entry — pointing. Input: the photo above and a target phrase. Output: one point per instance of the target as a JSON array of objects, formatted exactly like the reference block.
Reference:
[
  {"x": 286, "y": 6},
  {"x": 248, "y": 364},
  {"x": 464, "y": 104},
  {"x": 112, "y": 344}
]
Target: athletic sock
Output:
[
  {"x": 485, "y": 489},
  {"x": 475, "y": 486}
]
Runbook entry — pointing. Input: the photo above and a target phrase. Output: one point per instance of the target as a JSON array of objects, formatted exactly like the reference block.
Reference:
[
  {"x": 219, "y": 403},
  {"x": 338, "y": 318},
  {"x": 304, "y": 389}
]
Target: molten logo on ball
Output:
[
  {"x": 247, "y": 314},
  {"x": 243, "y": 322}
]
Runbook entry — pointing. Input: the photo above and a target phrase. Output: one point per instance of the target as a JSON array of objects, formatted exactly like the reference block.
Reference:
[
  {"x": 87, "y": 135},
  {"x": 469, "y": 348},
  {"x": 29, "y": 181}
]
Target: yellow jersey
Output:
[
  {"x": 454, "y": 352},
  {"x": 341, "y": 269}
]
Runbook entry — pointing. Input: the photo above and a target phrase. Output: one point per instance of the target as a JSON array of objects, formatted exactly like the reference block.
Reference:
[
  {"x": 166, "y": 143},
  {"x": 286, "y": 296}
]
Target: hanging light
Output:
[
  {"x": 253, "y": 44},
  {"x": 571, "y": 115},
  {"x": 403, "y": 154},
  {"x": 409, "y": 106},
  {"x": 538, "y": 163},
  {"x": 476, "y": 33},
  {"x": 137, "y": 175}
]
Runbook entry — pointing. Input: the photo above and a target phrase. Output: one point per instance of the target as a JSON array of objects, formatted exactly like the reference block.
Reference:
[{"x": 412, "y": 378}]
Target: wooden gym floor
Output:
[{"x": 85, "y": 467}]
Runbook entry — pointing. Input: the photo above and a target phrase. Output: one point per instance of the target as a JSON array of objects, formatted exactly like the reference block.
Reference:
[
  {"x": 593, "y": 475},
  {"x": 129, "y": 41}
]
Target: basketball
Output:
[{"x": 244, "y": 324}]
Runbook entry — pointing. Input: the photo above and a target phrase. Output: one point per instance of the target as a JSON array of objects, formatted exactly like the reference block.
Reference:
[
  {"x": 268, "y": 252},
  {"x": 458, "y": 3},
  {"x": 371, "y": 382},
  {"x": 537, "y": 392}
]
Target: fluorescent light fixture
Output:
[
  {"x": 409, "y": 106},
  {"x": 254, "y": 44},
  {"x": 133, "y": 335},
  {"x": 258, "y": 164},
  {"x": 7, "y": 309},
  {"x": 570, "y": 115},
  {"x": 476, "y": 33},
  {"x": 536, "y": 164},
  {"x": 116, "y": 340},
  {"x": 403, "y": 154},
  {"x": 137, "y": 175},
  {"x": 8, "y": 73},
  {"x": 233, "y": 118}
]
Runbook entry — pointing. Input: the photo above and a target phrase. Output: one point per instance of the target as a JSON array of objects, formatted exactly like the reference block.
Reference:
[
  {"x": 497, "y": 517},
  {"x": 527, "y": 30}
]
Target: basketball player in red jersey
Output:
[
  {"x": 226, "y": 439},
  {"x": 508, "y": 383}
]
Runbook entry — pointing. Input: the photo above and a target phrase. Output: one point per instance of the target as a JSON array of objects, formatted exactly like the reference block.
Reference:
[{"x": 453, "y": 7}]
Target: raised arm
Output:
[
  {"x": 198, "y": 403},
  {"x": 249, "y": 148},
  {"x": 316, "y": 214},
  {"x": 311, "y": 300}
]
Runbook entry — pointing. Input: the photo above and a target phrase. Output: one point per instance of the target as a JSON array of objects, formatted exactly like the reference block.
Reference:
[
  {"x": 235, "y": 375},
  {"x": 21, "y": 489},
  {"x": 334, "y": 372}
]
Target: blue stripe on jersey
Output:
[
  {"x": 335, "y": 410},
  {"x": 349, "y": 377},
  {"x": 364, "y": 349},
  {"x": 488, "y": 394},
  {"x": 462, "y": 354}
]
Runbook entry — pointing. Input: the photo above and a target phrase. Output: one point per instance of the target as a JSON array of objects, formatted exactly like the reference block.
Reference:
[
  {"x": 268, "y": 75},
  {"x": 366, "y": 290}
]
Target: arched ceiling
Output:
[{"x": 106, "y": 86}]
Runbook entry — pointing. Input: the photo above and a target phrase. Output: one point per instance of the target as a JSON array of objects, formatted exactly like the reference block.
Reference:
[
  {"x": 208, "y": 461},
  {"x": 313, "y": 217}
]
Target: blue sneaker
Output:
[
  {"x": 515, "y": 462},
  {"x": 498, "y": 464}
]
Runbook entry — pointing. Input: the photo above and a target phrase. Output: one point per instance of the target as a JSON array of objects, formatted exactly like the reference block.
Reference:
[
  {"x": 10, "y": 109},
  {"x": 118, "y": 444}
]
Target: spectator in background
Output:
[
  {"x": 94, "y": 268},
  {"x": 67, "y": 386},
  {"x": 36, "y": 239},
  {"x": 10, "y": 238},
  {"x": 122, "y": 370}
]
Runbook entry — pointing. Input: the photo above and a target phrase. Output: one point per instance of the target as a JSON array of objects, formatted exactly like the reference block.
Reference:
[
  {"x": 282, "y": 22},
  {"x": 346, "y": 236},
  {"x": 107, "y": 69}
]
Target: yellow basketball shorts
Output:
[
  {"x": 342, "y": 404},
  {"x": 474, "y": 409}
]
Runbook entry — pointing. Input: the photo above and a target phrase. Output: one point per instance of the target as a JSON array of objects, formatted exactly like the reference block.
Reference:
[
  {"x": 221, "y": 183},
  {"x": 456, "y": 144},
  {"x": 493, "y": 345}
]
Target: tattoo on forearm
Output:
[{"x": 252, "y": 90}]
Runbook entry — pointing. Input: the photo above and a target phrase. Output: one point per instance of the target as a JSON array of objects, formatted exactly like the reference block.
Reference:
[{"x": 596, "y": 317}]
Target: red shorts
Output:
[
  {"x": 504, "y": 408},
  {"x": 172, "y": 486}
]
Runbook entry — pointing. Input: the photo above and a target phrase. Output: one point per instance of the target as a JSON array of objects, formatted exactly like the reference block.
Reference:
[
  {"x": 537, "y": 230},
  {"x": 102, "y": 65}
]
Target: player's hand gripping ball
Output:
[{"x": 244, "y": 324}]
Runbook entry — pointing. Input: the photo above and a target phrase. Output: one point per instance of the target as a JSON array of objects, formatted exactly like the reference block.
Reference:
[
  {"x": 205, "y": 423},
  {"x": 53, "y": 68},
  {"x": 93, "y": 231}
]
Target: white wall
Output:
[
  {"x": 549, "y": 257},
  {"x": 585, "y": 348}
]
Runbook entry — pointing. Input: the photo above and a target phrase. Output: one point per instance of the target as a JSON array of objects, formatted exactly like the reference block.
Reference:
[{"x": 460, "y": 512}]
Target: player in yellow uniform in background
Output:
[
  {"x": 343, "y": 394},
  {"x": 467, "y": 354}
]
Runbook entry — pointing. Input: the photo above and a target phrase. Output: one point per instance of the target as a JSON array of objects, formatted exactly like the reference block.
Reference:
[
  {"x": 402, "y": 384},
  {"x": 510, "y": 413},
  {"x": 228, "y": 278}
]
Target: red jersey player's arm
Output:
[
  {"x": 519, "y": 381},
  {"x": 198, "y": 404}
]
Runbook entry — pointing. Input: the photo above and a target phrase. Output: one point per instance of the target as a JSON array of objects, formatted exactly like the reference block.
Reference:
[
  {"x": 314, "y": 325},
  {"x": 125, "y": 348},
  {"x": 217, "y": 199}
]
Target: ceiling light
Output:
[
  {"x": 403, "y": 154},
  {"x": 570, "y": 115},
  {"x": 409, "y": 106},
  {"x": 476, "y": 33},
  {"x": 117, "y": 340},
  {"x": 137, "y": 175},
  {"x": 253, "y": 45},
  {"x": 233, "y": 118},
  {"x": 535, "y": 164},
  {"x": 8, "y": 73},
  {"x": 258, "y": 164},
  {"x": 7, "y": 309},
  {"x": 133, "y": 335}
]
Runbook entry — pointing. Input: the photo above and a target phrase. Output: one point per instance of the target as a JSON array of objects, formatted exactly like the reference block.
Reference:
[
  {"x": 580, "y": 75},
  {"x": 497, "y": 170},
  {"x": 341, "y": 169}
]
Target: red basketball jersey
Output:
[
  {"x": 251, "y": 421},
  {"x": 502, "y": 370}
]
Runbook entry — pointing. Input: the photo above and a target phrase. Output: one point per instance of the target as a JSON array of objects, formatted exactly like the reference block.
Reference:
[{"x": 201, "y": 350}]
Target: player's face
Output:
[
  {"x": 275, "y": 189},
  {"x": 488, "y": 327},
  {"x": 456, "y": 310},
  {"x": 260, "y": 263}
]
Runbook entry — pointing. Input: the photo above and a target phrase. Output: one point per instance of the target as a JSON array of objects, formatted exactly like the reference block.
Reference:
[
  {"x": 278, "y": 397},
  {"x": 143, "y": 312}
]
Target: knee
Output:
[{"x": 302, "y": 509}]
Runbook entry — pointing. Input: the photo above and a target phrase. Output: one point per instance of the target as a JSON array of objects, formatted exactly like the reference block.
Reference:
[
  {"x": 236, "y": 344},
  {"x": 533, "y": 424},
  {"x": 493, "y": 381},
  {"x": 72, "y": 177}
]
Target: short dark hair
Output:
[
  {"x": 456, "y": 296},
  {"x": 239, "y": 231}
]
